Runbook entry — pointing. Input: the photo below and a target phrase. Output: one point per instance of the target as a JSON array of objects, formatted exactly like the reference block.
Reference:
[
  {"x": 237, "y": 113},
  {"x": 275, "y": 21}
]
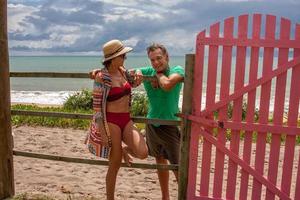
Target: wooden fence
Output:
[{"x": 186, "y": 108}]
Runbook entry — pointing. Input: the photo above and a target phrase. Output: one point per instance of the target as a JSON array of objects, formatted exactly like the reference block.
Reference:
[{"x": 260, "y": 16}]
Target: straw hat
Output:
[{"x": 114, "y": 48}]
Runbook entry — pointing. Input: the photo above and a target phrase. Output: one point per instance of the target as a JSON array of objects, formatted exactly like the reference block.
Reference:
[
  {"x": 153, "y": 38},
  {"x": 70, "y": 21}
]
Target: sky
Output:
[{"x": 81, "y": 27}]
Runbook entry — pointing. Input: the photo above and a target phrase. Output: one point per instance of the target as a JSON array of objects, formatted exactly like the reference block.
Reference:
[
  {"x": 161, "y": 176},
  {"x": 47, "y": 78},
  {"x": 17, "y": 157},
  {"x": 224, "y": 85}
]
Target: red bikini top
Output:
[{"x": 116, "y": 93}]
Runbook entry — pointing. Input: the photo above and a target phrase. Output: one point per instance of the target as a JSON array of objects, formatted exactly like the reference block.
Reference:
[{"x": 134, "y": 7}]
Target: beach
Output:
[{"x": 62, "y": 180}]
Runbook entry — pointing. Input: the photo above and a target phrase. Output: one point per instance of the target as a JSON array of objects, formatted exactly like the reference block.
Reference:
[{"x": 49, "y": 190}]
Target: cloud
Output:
[{"x": 82, "y": 26}]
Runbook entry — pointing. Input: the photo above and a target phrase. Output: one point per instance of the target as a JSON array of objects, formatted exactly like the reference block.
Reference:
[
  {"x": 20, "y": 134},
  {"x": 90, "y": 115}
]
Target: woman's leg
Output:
[
  {"x": 135, "y": 142},
  {"x": 115, "y": 160}
]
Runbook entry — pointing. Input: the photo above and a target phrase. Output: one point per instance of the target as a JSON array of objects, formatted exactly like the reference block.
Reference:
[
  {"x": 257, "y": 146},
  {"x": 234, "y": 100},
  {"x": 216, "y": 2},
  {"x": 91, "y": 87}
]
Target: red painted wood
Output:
[
  {"x": 210, "y": 99},
  {"x": 197, "y": 96},
  {"x": 198, "y": 75},
  {"x": 250, "y": 106},
  {"x": 292, "y": 121},
  {"x": 264, "y": 107},
  {"x": 237, "y": 105},
  {"x": 224, "y": 91},
  {"x": 278, "y": 108},
  {"x": 251, "y": 42},
  {"x": 240, "y": 162},
  {"x": 275, "y": 129},
  {"x": 193, "y": 160},
  {"x": 297, "y": 190}
]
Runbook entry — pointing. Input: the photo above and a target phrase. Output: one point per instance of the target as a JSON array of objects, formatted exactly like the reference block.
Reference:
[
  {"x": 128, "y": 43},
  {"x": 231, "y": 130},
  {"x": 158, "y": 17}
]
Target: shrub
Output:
[
  {"x": 82, "y": 100},
  {"x": 139, "y": 104}
]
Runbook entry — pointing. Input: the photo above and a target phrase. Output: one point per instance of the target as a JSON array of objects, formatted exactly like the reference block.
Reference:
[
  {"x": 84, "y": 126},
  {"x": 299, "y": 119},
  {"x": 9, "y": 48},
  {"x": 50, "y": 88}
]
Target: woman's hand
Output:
[
  {"x": 138, "y": 77},
  {"x": 93, "y": 73}
]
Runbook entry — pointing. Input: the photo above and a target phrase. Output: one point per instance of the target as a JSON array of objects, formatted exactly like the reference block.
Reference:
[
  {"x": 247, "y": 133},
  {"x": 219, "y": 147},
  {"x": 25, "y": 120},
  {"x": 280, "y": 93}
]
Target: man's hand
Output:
[{"x": 155, "y": 83}]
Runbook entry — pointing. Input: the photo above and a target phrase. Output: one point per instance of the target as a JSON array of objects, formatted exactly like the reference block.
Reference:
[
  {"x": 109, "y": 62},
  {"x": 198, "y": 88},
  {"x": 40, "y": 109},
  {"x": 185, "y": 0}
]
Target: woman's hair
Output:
[
  {"x": 107, "y": 63},
  {"x": 155, "y": 46}
]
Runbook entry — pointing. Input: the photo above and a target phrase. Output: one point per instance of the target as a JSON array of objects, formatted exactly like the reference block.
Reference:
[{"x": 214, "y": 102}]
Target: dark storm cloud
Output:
[{"x": 87, "y": 12}]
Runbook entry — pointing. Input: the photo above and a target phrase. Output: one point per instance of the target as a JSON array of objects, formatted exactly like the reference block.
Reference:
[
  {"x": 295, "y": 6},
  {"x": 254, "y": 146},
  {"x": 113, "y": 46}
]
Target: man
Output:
[{"x": 163, "y": 140}]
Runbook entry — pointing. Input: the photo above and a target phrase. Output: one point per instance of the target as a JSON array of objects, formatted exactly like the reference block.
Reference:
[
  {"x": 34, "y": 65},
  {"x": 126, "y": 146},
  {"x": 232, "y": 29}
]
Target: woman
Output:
[{"x": 111, "y": 121}]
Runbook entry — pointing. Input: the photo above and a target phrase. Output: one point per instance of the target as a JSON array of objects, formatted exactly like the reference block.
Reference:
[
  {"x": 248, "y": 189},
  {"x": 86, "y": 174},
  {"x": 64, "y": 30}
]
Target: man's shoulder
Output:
[{"x": 177, "y": 69}]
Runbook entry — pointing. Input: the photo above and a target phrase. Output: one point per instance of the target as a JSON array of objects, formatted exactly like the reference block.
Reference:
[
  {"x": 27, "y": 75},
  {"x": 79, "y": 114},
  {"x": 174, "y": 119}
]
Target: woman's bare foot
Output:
[{"x": 126, "y": 156}]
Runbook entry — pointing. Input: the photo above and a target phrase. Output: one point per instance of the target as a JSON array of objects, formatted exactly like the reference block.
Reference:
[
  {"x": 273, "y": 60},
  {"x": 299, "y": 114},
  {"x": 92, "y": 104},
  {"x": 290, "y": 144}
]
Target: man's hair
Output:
[{"x": 155, "y": 46}]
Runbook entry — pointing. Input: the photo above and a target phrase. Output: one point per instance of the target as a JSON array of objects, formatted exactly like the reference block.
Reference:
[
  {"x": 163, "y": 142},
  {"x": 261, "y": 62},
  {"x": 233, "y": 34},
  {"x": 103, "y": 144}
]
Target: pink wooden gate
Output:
[{"x": 241, "y": 71}]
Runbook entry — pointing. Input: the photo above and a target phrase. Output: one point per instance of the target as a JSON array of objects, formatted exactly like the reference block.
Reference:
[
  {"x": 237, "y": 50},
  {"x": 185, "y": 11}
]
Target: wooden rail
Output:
[
  {"x": 89, "y": 116},
  {"x": 59, "y": 75},
  {"x": 92, "y": 162}
]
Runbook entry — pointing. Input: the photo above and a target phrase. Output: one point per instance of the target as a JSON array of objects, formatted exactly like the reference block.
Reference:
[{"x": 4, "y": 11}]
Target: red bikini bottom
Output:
[{"x": 119, "y": 119}]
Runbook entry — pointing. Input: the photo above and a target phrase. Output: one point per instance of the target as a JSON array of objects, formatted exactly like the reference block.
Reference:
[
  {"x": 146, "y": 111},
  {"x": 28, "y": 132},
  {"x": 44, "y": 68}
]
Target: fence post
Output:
[
  {"x": 186, "y": 127},
  {"x": 6, "y": 142}
]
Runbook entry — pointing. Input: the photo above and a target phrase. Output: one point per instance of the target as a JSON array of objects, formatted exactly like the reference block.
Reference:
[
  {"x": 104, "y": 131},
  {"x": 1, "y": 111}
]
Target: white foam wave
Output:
[{"x": 40, "y": 97}]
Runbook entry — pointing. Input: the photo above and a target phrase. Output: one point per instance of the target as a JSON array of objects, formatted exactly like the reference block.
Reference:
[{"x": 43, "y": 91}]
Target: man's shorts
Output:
[{"x": 163, "y": 140}]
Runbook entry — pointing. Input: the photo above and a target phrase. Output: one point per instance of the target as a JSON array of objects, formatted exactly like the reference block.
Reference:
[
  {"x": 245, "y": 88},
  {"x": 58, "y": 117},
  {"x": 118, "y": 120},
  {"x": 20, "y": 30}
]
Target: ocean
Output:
[{"x": 54, "y": 91}]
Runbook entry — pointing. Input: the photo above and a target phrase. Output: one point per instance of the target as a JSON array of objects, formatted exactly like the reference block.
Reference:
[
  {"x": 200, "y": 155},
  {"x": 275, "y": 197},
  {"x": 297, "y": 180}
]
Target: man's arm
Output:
[{"x": 167, "y": 83}]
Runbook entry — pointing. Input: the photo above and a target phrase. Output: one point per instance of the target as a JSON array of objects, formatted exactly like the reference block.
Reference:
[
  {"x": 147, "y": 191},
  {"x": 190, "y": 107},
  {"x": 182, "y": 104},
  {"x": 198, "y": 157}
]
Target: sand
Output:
[{"x": 62, "y": 180}]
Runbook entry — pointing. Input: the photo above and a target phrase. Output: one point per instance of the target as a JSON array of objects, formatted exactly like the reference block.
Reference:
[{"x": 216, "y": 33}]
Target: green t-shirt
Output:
[{"x": 163, "y": 104}]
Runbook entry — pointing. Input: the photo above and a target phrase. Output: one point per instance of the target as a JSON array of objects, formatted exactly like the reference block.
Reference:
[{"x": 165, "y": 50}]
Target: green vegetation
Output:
[
  {"x": 18, "y": 120},
  {"x": 80, "y": 102},
  {"x": 139, "y": 105}
]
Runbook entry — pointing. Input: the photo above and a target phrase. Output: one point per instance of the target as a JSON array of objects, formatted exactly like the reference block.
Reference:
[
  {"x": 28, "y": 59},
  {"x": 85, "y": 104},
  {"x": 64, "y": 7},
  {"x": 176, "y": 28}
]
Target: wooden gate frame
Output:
[{"x": 202, "y": 121}]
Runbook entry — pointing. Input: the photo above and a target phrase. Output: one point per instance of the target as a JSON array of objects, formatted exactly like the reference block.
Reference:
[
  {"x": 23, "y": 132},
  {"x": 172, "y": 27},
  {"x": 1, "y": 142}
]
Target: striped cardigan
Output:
[{"x": 99, "y": 125}]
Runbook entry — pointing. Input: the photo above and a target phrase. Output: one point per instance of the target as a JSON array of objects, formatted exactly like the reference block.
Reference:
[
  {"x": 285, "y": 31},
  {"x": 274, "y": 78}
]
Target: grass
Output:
[{"x": 18, "y": 120}]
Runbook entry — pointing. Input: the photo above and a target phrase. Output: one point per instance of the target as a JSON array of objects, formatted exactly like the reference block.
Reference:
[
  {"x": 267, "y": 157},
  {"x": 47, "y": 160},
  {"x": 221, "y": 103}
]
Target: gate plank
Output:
[
  {"x": 198, "y": 75},
  {"x": 224, "y": 92},
  {"x": 297, "y": 190},
  {"x": 197, "y": 100},
  {"x": 210, "y": 100},
  {"x": 292, "y": 121},
  {"x": 278, "y": 107},
  {"x": 264, "y": 107},
  {"x": 256, "y": 29},
  {"x": 237, "y": 106}
]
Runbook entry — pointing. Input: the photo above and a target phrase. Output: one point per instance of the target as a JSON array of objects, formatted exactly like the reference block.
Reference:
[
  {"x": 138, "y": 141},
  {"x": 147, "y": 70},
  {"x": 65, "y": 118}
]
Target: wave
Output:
[{"x": 40, "y": 97}]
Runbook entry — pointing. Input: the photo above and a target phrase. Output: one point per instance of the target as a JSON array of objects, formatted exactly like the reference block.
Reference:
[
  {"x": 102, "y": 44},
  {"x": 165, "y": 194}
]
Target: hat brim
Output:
[{"x": 123, "y": 51}]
